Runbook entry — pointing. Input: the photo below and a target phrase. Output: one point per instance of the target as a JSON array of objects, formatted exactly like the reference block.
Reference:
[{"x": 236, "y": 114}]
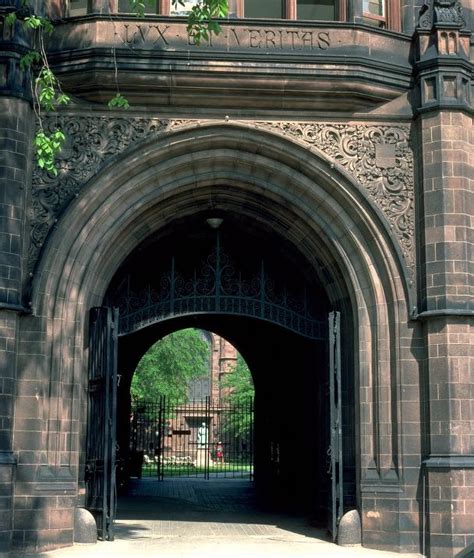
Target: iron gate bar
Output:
[
  {"x": 102, "y": 411},
  {"x": 337, "y": 484},
  {"x": 179, "y": 451}
]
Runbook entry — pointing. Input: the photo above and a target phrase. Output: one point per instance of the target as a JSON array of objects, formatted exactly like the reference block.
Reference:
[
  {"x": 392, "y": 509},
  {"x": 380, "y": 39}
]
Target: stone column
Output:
[
  {"x": 15, "y": 141},
  {"x": 446, "y": 200}
]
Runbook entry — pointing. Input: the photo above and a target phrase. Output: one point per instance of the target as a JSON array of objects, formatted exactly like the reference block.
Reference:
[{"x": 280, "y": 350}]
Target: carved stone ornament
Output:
[
  {"x": 441, "y": 11},
  {"x": 379, "y": 157}
]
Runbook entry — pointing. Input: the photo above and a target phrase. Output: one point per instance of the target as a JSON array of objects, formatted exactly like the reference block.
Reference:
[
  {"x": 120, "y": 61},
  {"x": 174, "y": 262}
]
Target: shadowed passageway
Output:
[
  {"x": 203, "y": 508},
  {"x": 195, "y": 518}
]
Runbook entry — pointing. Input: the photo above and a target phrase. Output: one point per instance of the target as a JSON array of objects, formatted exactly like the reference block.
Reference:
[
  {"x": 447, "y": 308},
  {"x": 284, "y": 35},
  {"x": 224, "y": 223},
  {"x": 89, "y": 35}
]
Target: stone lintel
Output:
[
  {"x": 449, "y": 462},
  {"x": 7, "y": 458},
  {"x": 380, "y": 488},
  {"x": 446, "y": 313}
]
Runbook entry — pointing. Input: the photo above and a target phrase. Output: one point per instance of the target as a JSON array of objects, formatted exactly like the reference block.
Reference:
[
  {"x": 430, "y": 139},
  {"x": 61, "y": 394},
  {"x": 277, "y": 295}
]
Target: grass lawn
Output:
[{"x": 234, "y": 469}]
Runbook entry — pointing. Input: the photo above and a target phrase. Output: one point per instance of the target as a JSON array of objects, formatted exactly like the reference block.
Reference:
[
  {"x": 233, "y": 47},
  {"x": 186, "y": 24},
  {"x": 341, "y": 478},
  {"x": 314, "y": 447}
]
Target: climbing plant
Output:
[{"x": 45, "y": 87}]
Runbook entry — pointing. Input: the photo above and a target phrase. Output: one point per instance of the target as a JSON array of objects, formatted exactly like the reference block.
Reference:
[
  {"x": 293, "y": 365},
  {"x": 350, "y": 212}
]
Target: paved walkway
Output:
[{"x": 207, "y": 519}]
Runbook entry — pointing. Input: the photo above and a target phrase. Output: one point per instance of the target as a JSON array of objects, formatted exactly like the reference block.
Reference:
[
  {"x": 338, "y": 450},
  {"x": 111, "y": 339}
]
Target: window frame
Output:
[
  {"x": 164, "y": 8},
  {"x": 392, "y": 17},
  {"x": 291, "y": 9}
]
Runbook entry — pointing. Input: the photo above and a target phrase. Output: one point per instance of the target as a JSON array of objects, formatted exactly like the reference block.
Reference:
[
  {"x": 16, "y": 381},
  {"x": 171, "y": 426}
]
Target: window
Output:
[
  {"x": 77, "y": 7},
  {"x": 374, "y": 12},
  {"x": 382, "y": 13},
  {"x": 379, "y": 13},
  {"x": 324, "y": 10},
  {"x": 274, "y": 9},
  {"x": 124, "y": 7},
  {"x": 182, "y": 9}
]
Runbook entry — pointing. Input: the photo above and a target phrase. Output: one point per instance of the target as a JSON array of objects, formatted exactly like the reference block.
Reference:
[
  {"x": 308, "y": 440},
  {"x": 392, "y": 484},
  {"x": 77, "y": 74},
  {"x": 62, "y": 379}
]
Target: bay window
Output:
[{"x": 379, "y": 13}]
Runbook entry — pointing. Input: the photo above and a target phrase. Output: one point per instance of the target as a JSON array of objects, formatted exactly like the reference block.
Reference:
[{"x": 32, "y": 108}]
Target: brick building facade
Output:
[{"x": 341, "y": 149}]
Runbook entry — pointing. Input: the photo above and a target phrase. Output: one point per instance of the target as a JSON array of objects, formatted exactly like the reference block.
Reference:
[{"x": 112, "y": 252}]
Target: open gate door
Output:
[
  {"x": 101, "y": 431},
  {"x": 337, "y": 486}
]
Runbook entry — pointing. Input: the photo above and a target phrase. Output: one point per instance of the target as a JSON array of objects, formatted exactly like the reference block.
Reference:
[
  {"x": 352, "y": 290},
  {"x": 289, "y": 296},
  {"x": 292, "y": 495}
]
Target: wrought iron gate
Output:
[
  {"x": 194, "y": 439},
  {"x": 335, "y": 449},
  {"x": 101, "y": 440}
]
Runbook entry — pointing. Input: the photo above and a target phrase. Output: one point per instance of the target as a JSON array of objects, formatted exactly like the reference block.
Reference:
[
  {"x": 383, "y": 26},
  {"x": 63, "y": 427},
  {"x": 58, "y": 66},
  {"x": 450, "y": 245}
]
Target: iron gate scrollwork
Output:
[
  {"x": 217, "y": 288},
  {"x": 191, "y": 439},
  {"x": 101, "y": 425}
]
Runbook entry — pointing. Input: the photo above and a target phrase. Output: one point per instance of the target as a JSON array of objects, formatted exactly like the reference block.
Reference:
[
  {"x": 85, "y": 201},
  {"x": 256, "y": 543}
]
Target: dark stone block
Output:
[{"x": 54, "y": 538}]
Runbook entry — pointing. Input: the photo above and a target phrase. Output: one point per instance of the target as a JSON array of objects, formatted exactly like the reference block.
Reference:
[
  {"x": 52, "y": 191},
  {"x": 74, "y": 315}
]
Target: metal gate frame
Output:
[
  {"x": 166, "y": 439},
  {"x": 335, "y": 389},
  {"x": 102, "y": 410},
  {"x": 102, "y": 415}
]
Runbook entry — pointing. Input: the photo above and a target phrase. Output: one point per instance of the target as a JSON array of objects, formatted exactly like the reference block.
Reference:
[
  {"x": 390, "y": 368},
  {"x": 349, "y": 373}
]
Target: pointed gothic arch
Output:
[{"x": 296, "y": 191}]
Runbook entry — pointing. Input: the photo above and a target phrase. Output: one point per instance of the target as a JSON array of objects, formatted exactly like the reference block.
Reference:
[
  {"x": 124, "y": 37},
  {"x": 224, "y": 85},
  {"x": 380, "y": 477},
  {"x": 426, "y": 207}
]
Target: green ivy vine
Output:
[{"x": 46, "y": 89}]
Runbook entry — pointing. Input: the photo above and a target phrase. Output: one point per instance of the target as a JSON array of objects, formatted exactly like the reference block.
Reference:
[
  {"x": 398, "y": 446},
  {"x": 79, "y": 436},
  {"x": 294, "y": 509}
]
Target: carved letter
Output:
[
  {"x": 255, "y": 38},
  {"x": 161, "y": 34},
  {"x": 323, "y": 40},
  {"x": 269, "y": 38},
  {"x": 127, "y": 39},
  {"x": 307, "y": 39},
  {"x": 144, "y": 31},
  {"x": 236, "y": 37},
  {"x": 292, "y": 35}
]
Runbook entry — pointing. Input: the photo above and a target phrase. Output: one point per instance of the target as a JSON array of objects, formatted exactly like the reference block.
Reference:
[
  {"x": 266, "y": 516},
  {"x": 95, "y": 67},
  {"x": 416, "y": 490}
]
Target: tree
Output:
[
  {"x": 166, "y": 368},
  {"x": 240, "y": 391},
  {"x": 238, "y": 385}
]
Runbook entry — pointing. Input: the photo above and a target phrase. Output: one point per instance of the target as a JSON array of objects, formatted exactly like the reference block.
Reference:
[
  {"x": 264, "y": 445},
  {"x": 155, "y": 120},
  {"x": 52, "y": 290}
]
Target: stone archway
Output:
[{"x": 314, "y": 205}]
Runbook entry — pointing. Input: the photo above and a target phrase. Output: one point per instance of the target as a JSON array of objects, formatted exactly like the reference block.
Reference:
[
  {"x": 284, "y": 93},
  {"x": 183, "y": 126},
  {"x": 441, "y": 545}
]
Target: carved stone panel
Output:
[{"x": 379, "y": 158}]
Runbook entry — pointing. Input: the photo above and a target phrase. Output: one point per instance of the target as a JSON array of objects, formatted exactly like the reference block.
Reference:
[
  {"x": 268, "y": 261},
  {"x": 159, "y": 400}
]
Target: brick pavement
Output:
[{"x": 195, "y": 518}]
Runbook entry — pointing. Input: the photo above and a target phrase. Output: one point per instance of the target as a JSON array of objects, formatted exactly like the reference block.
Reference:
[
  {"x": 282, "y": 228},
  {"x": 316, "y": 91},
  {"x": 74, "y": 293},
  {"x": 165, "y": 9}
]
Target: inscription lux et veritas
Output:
[{"x": 162, "y": 36}]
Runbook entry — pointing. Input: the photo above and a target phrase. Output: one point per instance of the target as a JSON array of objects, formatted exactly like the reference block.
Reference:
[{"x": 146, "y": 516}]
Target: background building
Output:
[{"x": 335, "y": 141}]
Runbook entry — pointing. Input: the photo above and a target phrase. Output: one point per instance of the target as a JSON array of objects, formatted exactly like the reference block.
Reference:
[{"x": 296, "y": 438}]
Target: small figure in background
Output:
[
  {"x": 219, "y": 453},
  {"x": 202, "y": 436}
]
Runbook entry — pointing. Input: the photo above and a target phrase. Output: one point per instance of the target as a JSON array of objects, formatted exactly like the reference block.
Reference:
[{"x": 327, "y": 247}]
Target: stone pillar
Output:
[
  {"x": 446, "y": 200},
  {"x": 8, "y": 329},
  {"x": 15, "y": 141},
  {"x": 223, "y": 361}
]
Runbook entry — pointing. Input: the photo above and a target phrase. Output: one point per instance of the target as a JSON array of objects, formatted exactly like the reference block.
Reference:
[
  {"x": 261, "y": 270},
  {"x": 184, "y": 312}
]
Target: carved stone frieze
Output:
[
  {"x": 379, "y": 158},
  {"x": 441, "y": 11},
  {"x": 90, "y": 141}
]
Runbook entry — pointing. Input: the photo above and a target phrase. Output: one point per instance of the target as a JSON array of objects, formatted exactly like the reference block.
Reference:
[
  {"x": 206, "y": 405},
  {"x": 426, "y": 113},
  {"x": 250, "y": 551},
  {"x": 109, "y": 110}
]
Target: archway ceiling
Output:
[{"x": 247, "y": 243}]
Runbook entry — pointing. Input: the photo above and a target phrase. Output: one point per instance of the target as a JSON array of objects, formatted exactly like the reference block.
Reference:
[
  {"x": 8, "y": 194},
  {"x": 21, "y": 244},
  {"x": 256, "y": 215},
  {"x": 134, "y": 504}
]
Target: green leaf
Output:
[
  {"x": 29, "y": 59},
  {"x": 32, "y": 22},
  {"x": 47, "y": 148},
  {"x": 118, "y": 102},
  {"x": 63, "y": 99},
  {"x": 10, "y": 19}
]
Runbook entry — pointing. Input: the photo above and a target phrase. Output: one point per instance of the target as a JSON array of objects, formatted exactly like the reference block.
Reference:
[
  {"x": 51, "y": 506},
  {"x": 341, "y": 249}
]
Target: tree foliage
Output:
[
  {"x": 238, "y": 385},
  {"x": 240, "y": 391},
  {"x": 166, "y": 368}
]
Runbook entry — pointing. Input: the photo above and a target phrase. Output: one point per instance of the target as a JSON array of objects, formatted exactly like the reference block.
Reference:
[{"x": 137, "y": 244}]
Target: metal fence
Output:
[{"x": 193, "y": 439}]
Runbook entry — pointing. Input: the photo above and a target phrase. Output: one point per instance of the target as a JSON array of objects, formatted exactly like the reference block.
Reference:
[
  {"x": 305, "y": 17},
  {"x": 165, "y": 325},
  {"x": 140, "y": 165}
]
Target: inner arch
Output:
[{"x": 290, "y": 371}]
